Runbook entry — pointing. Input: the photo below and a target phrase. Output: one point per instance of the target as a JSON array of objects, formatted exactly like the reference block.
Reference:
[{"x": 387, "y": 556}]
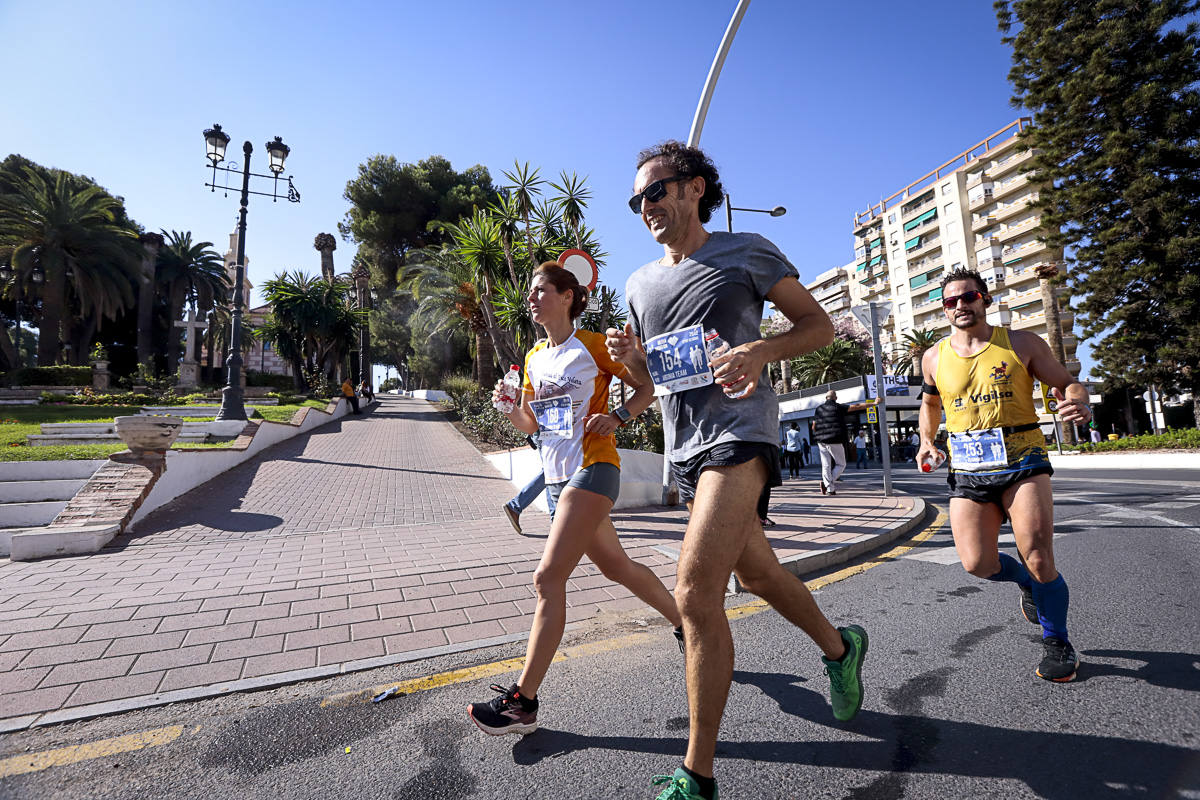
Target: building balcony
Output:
[
  {"x": 922, "y": 203},
  {"x": 925, "y": 247},
  {"x": 924, "y": 264},
  {"x": 987, "y": 261},
  {"x": 1008, "y": 164},
  {"x": 837, "y": 304},
  {"x": 982, "y": 221},
  {"x": 1013, "y": 231},
  {"x": 978, "y": 201},
  {"x": 1022, "y": 251},
  {"x": 1070, "y": 341},
  {"x": 1014, "y": 206},
  {"x": 1000, "y": 190},
  {"x": 1074, "y": 366}
]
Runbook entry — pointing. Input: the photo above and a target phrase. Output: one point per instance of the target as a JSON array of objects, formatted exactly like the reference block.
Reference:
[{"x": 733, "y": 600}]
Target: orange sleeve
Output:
[{"x": 594, "y": 342}]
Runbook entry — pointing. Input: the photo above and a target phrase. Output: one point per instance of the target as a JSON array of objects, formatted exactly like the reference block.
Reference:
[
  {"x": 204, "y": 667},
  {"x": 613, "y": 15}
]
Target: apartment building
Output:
[{"x": 972, "y": 211}]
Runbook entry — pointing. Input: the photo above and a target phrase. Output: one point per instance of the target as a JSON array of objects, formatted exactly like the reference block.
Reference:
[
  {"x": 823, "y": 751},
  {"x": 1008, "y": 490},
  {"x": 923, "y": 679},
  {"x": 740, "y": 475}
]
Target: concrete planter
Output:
[{"x": 148, "y": 434}]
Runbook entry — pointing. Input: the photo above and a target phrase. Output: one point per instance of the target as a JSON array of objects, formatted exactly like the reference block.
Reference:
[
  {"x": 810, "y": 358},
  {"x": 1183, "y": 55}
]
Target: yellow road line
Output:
[
  {"x": 35, "y": 762},
  {"x": 592, "y": 648}
]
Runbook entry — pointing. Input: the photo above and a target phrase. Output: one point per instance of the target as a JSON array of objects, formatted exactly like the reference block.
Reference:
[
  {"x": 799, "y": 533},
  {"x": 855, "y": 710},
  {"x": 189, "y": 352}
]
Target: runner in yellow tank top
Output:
[{"x": 982, "y": 377}]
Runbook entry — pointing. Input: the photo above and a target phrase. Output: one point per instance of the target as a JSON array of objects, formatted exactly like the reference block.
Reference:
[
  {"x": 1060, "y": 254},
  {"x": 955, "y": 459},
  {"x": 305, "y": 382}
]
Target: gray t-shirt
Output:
[{"x": 722, "y": 285}]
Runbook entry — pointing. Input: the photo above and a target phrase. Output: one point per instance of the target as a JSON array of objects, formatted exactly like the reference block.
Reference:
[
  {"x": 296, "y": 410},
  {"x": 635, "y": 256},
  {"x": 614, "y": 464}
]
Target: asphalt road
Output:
[{"x": 952, "y": 707}]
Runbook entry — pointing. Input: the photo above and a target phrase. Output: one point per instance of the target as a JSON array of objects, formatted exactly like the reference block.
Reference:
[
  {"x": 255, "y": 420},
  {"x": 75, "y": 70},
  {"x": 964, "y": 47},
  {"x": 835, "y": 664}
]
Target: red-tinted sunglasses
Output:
[{"x": 967, "y": 297}]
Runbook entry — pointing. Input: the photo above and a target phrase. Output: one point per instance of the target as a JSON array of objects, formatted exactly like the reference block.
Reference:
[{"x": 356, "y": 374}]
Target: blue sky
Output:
[{"x": 822, "y": 107}]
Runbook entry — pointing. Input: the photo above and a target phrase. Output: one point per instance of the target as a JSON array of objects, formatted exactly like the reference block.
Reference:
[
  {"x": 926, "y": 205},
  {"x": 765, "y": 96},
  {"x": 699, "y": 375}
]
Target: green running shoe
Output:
[
  {"x": 845, "y": 676},
  {"x": 680, "y": 786}
]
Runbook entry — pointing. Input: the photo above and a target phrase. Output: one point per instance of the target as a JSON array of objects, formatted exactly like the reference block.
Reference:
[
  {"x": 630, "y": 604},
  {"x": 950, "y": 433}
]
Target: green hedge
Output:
[
  {"x": 50, "y": 376},
  {"x": 282, "y": 383},
  {"x": 1182, "y": 439}
]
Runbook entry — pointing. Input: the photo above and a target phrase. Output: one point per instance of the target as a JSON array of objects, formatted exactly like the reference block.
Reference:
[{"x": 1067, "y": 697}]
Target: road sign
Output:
[
  {"x": 883, "y": 310},
  {"x": 872, "y": 416},
  {"x": 595, "y": 299},
  {"x": 1049, "y": 400},
  {"x": 582, "y": 265}
]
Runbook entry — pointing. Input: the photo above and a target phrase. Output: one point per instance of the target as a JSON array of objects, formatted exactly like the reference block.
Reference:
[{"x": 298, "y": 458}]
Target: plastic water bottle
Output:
[
  {"x": 717, "y": 347},
  {"x": 509, "y": 390},
  {"x": 930, "y": 466}
]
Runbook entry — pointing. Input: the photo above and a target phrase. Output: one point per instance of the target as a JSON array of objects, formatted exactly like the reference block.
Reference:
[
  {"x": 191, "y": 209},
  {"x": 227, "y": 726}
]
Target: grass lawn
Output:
[
  {"x": 285, "y": 413},
  {"x": 17, "y": 422}
]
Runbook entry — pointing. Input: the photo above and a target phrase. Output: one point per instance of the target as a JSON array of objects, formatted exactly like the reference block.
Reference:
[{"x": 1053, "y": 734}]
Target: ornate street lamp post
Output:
[
  {"x": 216, "y": 140},
  {"x": 361, "y": 282}
]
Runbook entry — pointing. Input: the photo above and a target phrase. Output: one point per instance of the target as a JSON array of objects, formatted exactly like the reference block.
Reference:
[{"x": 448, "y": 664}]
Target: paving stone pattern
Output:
[{"x": 371, "y": 537}]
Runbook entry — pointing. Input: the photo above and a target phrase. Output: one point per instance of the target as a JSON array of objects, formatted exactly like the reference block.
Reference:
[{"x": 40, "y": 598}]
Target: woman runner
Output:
[{"x": 565, "y": 402}]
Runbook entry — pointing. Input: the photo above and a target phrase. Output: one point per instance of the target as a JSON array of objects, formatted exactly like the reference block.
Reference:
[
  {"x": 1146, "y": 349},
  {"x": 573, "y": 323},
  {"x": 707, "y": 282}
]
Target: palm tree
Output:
[
  {"x": 67, "y": 228},
  {"x": 572, "y": 198},
  {"x": 507, "y": 216},
  {"x": 192, "y": 274},
  {"x": 524, "y": 187},
  {"x": 477, "y": 243},
  {"x": 448, "y": 298},
  {"x": 912, "y": 350},
  {"x": 312, "y": 321},
  {"x": 841, "y": 359}
]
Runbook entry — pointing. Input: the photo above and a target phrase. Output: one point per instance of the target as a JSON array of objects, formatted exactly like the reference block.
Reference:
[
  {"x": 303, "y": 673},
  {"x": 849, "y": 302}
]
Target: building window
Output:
[
  {"x": 955, "y": 265},
  {"x": 892, "y": 218},
  {"x": 949, "y": 208},
  {"x": 946, "y": 188}
]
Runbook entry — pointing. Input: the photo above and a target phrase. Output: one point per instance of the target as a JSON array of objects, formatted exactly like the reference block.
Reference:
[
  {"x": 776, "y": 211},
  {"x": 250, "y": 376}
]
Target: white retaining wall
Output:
[
  {"x": 1132, "y": 460},
  {"x": 187, "y": 469},
  {"x": 641, "y": 475}
]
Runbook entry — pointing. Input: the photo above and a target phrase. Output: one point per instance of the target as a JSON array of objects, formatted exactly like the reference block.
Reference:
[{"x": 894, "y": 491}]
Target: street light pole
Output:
[
  {"x": 232, "y": 401},
  {"x": 777, "y": 211}
]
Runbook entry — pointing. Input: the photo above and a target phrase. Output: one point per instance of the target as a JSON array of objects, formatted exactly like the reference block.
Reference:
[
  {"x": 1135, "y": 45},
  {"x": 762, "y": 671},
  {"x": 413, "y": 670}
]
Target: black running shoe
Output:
[
  {"x": 508, "y": 713},
  {"x": 679, "y": 638},
  {"x": 823, "y": 488},
  {"x": 1028, "y": 607},
  {"x": 1059, "y": 662}
]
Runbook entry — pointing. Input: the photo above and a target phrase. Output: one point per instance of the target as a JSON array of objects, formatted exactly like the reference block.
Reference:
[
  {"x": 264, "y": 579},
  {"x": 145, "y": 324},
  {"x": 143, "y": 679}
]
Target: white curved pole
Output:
[{"x": 715, "y": 72}]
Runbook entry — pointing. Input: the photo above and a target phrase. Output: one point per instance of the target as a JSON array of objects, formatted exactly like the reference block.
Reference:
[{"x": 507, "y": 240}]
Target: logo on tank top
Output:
[{"x": 1000, "y": 373}]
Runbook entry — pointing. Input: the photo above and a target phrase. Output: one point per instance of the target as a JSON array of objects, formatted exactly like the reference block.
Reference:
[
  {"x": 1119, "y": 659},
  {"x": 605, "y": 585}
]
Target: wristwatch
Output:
[{"x": 622, "y": 414}]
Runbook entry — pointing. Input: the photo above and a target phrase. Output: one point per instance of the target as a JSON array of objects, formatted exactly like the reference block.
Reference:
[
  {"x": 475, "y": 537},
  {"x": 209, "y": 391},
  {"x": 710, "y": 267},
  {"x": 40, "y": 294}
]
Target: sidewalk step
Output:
[
  {"x": 48, "y": 470},
  {"x": 28, "y": 515},
  {"x": 39, "y": 490}
]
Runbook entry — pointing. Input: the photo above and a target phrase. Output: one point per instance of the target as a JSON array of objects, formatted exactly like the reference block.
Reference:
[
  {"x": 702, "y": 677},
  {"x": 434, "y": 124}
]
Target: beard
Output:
[{"x": 967, "y": 320}]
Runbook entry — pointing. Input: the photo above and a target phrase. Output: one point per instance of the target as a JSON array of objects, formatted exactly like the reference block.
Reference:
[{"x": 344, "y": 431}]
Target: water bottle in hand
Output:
[
  {"x": 717, "y": 347},
  {"x": 930, "y": 464},
  {"x": 510, "y": 387}
]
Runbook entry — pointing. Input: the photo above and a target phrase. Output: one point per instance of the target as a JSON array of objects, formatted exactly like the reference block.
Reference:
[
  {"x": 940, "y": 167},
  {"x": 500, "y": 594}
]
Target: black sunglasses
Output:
[
  {"x": 654, "y": 192},
  {"x": 967, "y": 297}
]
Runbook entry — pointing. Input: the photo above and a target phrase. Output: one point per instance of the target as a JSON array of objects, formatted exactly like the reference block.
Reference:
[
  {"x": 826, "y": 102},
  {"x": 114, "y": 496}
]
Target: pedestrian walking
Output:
[
  {"x": 349, "y": 394},
  {"x": 860, "y": 448},
  {"x": 513, "y": 508},
  {"x": 829, "y": 429},
  {"x": 721, "y": 438},
  {"x": 565, "y": 401},
  {"x": 982, "y": 377},
  {"x": 793, "y": 448},
  {"x": 806, "y": 452}
]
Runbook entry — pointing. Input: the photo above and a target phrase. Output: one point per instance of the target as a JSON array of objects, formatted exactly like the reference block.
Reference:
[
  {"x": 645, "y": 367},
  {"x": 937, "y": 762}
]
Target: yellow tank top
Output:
[{"x": 991, "y": 389}]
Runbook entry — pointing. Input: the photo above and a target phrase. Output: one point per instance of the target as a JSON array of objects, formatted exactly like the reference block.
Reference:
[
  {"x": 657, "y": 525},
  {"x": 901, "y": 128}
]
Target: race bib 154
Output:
[{"x": 678, "y": 361}]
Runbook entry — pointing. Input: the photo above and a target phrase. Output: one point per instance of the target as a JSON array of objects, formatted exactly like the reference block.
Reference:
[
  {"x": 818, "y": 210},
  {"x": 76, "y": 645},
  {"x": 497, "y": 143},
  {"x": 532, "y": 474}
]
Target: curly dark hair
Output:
[
  {"x": 964, "y": 274},
  {"x": 690, "y": 162},
  {"x": 564, "y": 280}
]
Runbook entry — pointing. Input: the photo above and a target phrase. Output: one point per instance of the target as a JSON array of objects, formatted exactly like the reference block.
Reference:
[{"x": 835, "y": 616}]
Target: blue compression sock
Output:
[
  {"x": 1013, "y": 571},
  {"x": 1052, "y": 600}
]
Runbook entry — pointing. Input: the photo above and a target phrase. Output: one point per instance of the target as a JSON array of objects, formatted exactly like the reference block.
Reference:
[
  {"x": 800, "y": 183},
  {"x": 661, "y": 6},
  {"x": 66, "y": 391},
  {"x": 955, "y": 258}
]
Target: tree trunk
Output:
[
  {"x": 173, "y": 344},
  {"x": 500, "y": 342},
  {"x": 11, "y": 352},
  {"x": 145, "y": 307},
  {"x": 786, "y": 367},
  {"x": 485, "y": 355},
  {"x": 1054, "y": 327},
  {"x": 50, "y": 329}
]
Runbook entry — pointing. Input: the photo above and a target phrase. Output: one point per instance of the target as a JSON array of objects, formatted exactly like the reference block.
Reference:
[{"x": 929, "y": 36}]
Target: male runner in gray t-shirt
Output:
[{"x": 721, "y": 448}]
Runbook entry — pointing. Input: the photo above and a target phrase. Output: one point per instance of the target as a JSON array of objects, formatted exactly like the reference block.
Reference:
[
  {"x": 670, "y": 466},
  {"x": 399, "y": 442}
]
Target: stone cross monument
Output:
[{"x": 189, "y": 367}]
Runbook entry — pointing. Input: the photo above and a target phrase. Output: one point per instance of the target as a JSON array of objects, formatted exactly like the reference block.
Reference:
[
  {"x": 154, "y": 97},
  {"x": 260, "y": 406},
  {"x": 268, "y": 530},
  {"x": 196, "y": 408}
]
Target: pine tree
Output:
[{"x": 1112, "y": 85}]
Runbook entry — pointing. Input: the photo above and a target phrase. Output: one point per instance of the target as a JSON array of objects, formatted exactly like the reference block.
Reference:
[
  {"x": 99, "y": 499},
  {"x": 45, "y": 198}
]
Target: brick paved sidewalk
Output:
[{"x": 372, "y": 540}]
